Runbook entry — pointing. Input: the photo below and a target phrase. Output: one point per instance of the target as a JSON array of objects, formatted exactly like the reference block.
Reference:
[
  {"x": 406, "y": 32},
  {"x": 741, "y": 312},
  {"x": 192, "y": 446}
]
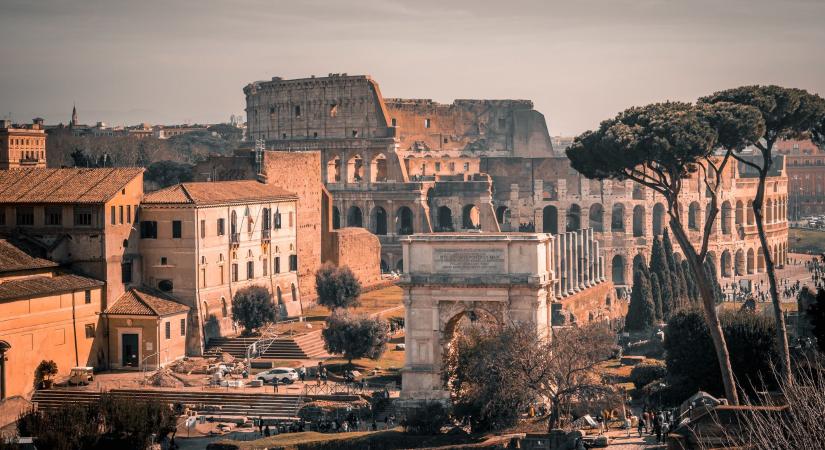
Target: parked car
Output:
[
  {"x": 81, "y": 376},
  {"x": 286, "y": 375}
]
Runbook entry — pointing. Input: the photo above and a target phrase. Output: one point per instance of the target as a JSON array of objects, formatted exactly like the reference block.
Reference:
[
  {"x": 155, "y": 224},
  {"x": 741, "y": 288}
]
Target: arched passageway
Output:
[
  {"x": 336, "y": 218},
  {"x": 404, "y": 221},
  {"x": 354, "y": 217},
  {"x": 725, "y": 264},
  {"x": 550, "y": 220},
  {"x": 740, "y": 265},
  {"x": 617, "y": 270},
  {"x": 574, "y": 214},
  {"x": 638, "y": 221},
  {"x": 658, "y": 219},
  {"x": 379, "y": 221},
  {"x": 470, "y": 217},
  {"x": 444, "y": 219},
  {"x": 596, "y": 219},
  {"x": 617, "y": 218}
]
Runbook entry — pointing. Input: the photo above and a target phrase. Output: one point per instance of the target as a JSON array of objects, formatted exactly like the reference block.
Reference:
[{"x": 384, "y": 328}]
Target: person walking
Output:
[
  {"x": 275, "y": 385},
  {"x": 627, "y": 425},
  {"x": 302, "y": 374},
  {"x": 642, "y": 425}
]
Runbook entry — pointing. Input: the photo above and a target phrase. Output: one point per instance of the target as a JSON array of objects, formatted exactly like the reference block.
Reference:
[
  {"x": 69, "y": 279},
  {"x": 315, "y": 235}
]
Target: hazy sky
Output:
[{"x": 580, "y": 61}]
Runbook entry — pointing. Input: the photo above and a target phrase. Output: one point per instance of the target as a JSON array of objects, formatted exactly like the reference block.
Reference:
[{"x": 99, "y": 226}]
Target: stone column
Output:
[
  {"x": 566, "y": 270},
  {"x": 601, "y": 268},
  {"x": 574, "y": 238},
  {"x": 588, "y": 238}
]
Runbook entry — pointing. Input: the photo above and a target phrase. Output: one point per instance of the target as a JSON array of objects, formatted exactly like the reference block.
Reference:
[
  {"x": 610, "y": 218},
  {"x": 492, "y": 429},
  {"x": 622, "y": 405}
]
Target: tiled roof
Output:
[
  {"x": 139, "y": 302},
  {"x": 218, "y": 192},
  {"x": 13, "y": 259},
  {"x": 34, "y": 185},
  {"x": 41, "y": 286}
]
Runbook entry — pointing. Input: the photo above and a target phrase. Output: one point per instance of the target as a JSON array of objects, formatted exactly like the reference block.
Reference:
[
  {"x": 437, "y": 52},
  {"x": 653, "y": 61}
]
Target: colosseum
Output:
[{"x": 403, "y": 166}]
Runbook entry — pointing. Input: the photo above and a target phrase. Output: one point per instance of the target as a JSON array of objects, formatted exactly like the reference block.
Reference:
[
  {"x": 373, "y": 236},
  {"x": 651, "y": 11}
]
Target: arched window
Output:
[
  {"x": 379, "y": 221},
  {"x": 444, "y": 219},
  {"x": 470, "y": 218},
  {"x": 294, "y": 292},
  {"x": 658, "y": 219},
  {"x": 574, "y": 214},
  {"x": 279, "y": 296},
  {"x": 617, "y": 218},
  {"x": 165, "y": 285},
  {"x": 354, "y": 217},
  {"x": 693, "y": 216},
  {"x": 224, "y": 311},
  {"x": 596, "y": 220},
  {"x": 638, "y": 221},
  {"x": 617, "y": 270},
  {"x": 404, "y": 221},
  {"x": 550, "y": 220}
]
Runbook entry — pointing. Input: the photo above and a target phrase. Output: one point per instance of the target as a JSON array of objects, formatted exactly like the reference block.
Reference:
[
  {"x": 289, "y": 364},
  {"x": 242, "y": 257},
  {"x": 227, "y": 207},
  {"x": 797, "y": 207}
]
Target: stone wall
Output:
[
  {"x": 300, "y": 173},
  {"x": 357, "y": 249},
  {"x": 597, "y": 303}
]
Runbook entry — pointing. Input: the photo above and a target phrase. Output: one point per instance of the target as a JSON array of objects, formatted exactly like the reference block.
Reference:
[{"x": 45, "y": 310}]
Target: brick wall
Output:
[
  {"x": 596, "y": 303},
  {"x": 357, "y": 249}
]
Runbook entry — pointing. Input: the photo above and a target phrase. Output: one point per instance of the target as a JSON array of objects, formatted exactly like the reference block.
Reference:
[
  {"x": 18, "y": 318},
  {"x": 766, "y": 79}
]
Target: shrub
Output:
[
  {"x": 426, "y": 419},
  {"x": 647, "y": 372},
  {"x": 252, "y": 307},
  {"x": 45, "y": 371},
  {"x": 337, "y": 287}
]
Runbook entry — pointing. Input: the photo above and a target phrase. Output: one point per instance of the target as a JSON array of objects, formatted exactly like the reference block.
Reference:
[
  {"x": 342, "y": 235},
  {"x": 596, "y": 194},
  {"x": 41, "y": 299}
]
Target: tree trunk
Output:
[
  {"x": 553, "y": 420},
  {"x": 779, "y": 318},
  {"x": 709, "y": 306}
]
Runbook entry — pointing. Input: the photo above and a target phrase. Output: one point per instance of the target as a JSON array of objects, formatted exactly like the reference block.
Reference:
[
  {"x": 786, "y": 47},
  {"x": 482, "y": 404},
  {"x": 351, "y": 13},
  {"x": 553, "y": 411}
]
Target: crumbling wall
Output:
[
  {"x": 595, "y": 304},
  {"x": 357, "y": 249}
]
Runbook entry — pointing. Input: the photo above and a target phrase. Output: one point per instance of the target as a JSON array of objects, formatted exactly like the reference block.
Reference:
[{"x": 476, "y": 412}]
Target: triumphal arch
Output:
[{"x": 511, "y": 277}]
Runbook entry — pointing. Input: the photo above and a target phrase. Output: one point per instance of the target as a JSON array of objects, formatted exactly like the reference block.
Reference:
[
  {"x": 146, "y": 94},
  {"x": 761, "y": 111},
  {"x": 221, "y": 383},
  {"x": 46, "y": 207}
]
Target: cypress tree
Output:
[
  {"x": 660, "y": 266},
  {"x": 692, "y": 288},
  {"x": 656, "y": 293},
  {"x": 677, "y": 281},
  {"x": 641, "y": 313},
  {"x": 710, "y": 270}
]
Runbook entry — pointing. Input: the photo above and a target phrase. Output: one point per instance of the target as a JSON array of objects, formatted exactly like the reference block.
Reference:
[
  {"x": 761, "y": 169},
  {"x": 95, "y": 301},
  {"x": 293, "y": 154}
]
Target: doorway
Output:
[{"x": 130, "y": 350}]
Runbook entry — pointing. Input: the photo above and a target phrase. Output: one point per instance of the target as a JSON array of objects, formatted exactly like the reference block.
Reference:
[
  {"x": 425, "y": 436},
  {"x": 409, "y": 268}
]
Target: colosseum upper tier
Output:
[{"x": 402, "y": 166}]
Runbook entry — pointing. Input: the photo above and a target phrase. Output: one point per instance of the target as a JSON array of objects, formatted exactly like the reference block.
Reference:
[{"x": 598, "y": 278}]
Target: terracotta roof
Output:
[
  {"x": 63, "y": 185},
  {"x": 41, "y": 286},
  {"x": 139, "y": 302},
  {"x": 218, "y": 192},
  {"x": 13, "y": 259}
]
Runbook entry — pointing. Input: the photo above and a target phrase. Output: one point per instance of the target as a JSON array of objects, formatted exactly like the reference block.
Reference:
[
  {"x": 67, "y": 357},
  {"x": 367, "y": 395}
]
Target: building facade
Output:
[
  {"x": 202, "y": 242},
  {"x": 403, "y": 166},
  {"x": 45, "y": 314},
  {"x": 22, "y": 145},
  {"x": 83, "y": 219},
  {"x": 806, "y": 177}
]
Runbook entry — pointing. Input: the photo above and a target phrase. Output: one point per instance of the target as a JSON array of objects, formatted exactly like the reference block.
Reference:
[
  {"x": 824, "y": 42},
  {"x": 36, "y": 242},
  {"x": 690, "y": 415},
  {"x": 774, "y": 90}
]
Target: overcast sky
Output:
[{"x": 580, "y": 61}]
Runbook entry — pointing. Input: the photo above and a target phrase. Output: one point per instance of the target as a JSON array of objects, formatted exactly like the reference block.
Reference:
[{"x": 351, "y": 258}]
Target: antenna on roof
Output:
[{"x": 260, "y": 146}]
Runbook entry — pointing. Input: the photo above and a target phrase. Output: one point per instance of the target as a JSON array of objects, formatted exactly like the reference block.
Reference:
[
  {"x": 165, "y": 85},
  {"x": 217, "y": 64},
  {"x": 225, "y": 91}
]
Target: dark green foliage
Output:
[
  {"x": 690, "y": 281},
  {"x": 252, "y": 307},
  {"x": 162, "y": 174},
  {"x": 656, "y": 293},
  {"x": 647, "y": 372},
  {"x": 691, "y": 361},
  {"x": 641, "y": 312},
  {"x": 355, "y": 336},
  {"x": 659, "y": 265},
  {"x": 677, "y": 279},
  {"x": 816, "y": 316},
  {"x": 110, "y": 422},
  {"x": 337, "y": 287},
  {"x": 428, "y": 418},
  {"x": 227, "y": 132},
  {"x": 44, "y": 371},
  {"x": 710, "y": 270}
]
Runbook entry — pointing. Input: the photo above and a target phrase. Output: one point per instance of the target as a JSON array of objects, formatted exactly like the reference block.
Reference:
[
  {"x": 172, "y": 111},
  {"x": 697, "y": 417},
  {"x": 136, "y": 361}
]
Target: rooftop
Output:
[
  {"x": 218, "y": 192},
  {"x": 140, "y": 302},
  {"x": 42, "y": 286},
  {"x": 74, "y": 185},
  {"x": 12, "y": 259}
]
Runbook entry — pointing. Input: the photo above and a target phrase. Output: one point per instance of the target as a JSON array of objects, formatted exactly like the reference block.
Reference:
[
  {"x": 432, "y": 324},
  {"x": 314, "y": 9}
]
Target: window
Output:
[
  {"x": 333, "y": 110},
  {"x": 203, "y": 228},
  {"x": 394, "y": 122},
  {"x": 452, "y": 167},
  {"x": 265, "y": 268},
  {"x": 277, "y": 264},
  {"x": 148, "y": 229},
  {"x": 112, "y": 219},
  {"x": 176, "y": 229},
  {"x": 183, "y": 327},
  {"x": 277, "y": 220},
  {"x": 250, "y": 269},
  {"x": 203, "y": 277},
  {"x": 163, "y": 261},
  {"x": 234, "y": 272},
  {"x": 90, "y": 331},
  {"x": 128, "y": 213},
  {"x": 87, "y": 296},
  {"x": 165, "y": 285},
  {"x": 466, "y": 167},
  {"x": 293, "y": 263},
  {"x": 221, "y": 226},
  {"x": 25, "y": 215},
  {"x": 426, "y": 123},
  {"x": 272, "y": 110},
  {"x": 83, "y": 217},
  {"x": 126, "y": 272},
  {"x": 54, "y": 215},
  {"x": 290, "y": 219},
  {"x": 297, "y": 110},
  {"x": 438, "y": 167},
  {"x": 120, "y": 208},
  {"x": 168, "y": 330}
]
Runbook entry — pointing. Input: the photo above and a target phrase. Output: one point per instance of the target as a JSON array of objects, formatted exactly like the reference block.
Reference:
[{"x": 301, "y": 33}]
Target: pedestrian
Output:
[
  {"x": 261, "y": 425},
  {"x": 324, "y": 375},
  {"x": 642, "y": 425},
  {"x": 627, "y": 425},
  {"x": 344, "y": 427},
  {"x": 266, "y": 431},
  {"x": 302, "y": 374},
  {"x": 275, "y": 385},
  {"x": 318, "y": 375}
]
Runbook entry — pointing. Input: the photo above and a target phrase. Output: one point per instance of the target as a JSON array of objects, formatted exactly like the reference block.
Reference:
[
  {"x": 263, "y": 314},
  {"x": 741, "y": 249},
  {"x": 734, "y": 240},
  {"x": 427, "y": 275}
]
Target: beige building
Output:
[
  {"x": 81, "y": 218},
  {"x": 22, "y": 145},
  {"x": 201, "y": 242},
  {"x": 145, "y": 330},
  {"x": 45, "y": 315}
]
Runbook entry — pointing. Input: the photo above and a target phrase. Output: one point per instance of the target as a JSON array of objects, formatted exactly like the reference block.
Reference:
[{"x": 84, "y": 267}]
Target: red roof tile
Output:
[
  {"x": 13, "y": 259},
  {"x": 35, "y": 185},
  {"x": 41, "y": 286},
  {"x": 139, "y": 302},
  {"x": 218, "y": 192}
]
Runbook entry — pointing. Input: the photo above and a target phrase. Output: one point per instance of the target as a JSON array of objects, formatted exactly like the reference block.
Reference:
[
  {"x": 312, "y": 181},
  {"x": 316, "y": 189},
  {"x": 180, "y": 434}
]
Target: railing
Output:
[{"x": 351, "y": 388}]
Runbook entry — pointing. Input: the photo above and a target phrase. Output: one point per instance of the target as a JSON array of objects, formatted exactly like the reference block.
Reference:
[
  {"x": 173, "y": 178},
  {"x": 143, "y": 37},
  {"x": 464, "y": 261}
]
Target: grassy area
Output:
[
  {"x": 392, "y": 439},
  {"x": 762, "y": 307},
  {"x": 806, "y": 241}
]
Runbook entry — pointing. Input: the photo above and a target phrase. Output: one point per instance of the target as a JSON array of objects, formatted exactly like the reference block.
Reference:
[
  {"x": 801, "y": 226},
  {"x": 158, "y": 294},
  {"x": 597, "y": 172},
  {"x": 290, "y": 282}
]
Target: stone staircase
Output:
[
  {"x": 207, "y": 403},
  {"x": 305, "y": 346}
]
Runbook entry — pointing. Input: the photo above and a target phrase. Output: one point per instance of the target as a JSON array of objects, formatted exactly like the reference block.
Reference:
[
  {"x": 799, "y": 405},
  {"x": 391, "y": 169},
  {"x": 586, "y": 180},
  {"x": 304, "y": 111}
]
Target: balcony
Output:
[
  {"x": 235, "y": 238},
  {"x": 266, "y": 235}
]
